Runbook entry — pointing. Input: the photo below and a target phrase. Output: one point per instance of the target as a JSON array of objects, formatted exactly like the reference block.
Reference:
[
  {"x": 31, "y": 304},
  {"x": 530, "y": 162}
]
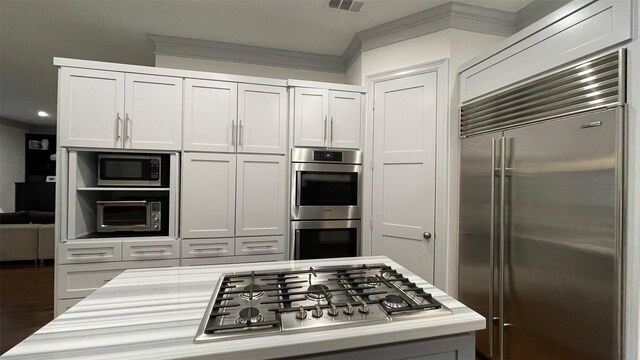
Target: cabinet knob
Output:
[{"x": 426, "y": 235}]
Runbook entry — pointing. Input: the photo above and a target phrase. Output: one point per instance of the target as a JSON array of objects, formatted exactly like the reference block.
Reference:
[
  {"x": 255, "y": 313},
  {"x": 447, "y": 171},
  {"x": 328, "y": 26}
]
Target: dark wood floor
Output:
[{"x": 26, "y": 300}]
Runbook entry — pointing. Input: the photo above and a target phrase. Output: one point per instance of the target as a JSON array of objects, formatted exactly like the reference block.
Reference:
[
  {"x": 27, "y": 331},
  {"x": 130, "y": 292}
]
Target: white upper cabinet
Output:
[
  {"x": 262, "y": 119},
  {"x": 91, "y": 108},
  {"x": 260, "y": 199},
  {"x": 210, "y": 109},
  {"x": 345, "y": 110},
  {"x": 153, "y": 116},
  {"x": 311, "y": 112},
  {"x": 208, "y": 195},
  {"x": 108, "y": 109},
  {"x": 327, "y": 118}
]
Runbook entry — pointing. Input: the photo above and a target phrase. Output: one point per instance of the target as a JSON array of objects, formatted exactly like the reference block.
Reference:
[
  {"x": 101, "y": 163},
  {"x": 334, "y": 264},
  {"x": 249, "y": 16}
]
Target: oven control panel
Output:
[{"x": 327, "y": 156}]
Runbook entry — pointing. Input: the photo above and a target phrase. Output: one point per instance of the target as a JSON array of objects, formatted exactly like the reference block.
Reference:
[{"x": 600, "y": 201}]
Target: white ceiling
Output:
[{"x": 33, "y": 32}]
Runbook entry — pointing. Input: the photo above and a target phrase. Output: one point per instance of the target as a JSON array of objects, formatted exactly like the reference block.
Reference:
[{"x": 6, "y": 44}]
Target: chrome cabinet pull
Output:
[
  {"x": 118, "y": 125},
  {"x": 426, "y": 235},
  {"x": 233, "y": 132},
  {"x": 324, "y": 135},
  {"x": 127, "y": 126},
  {"x": 251, "y": 247},
  {"x": 331, "y": 141},
  {"x": 241, "y": 134},
  {"x": 150, "y": 251},
  {"x": 89, "y": 254},
  {"x": 208, "y": 249}
]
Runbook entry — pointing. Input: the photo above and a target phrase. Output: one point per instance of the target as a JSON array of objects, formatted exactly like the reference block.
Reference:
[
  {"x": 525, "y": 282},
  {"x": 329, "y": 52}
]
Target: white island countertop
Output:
[{"x": 155, "y": 313}]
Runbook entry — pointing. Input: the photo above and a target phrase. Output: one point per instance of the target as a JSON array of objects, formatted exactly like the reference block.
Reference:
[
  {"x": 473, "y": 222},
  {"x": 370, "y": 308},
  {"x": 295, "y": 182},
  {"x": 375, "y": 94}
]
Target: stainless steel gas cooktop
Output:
[{"x": 265, "y": 303}]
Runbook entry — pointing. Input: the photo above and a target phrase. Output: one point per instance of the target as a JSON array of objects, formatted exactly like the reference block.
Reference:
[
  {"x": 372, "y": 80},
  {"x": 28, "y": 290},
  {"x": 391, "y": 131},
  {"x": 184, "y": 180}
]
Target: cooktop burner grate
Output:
[{"x": 252, "y": 303}]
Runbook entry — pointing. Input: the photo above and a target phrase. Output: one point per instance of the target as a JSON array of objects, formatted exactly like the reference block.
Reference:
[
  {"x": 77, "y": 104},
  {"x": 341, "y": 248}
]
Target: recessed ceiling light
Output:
[{"x": 42, "y": 114}]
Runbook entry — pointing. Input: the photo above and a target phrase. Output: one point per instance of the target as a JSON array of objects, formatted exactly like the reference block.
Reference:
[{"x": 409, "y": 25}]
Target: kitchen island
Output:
[{"x": 155, "y": 313}]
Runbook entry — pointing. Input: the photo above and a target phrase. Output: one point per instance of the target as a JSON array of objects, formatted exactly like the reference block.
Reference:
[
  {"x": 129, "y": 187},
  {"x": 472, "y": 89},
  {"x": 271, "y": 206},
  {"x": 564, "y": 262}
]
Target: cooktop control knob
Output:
[
  {"x": 302, "y": 313},
  {"x": 333, "y": 311},
  {"x": 348, "y": 310},
  {"x": 317, "y": 312},
  {"x": 364, "y": 308}
]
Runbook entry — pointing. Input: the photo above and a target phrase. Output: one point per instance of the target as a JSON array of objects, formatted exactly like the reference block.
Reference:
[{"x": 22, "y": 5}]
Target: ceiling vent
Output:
[{"x": 346, "y": 5}]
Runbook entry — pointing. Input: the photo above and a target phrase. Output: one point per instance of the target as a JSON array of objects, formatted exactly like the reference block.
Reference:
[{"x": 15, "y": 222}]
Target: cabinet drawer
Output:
[
  {"x": 232, "y": 259},
  {"x": 66, "y": 304},
  {"x": 195, "y": 248},
  {"x": 260, "y": 245},
  {"x": 150, "y": 250},
  {"x": 71, "y": 253}
]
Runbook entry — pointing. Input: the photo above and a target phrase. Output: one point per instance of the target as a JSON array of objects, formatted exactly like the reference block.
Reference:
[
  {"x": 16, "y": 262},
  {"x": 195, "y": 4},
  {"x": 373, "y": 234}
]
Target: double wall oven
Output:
[{"x": 326, "y": 198}]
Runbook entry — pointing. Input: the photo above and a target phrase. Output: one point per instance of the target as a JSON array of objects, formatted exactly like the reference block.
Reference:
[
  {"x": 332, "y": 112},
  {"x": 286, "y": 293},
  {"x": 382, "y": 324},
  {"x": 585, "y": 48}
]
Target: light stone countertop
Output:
[{"x": 155, "y": 313}]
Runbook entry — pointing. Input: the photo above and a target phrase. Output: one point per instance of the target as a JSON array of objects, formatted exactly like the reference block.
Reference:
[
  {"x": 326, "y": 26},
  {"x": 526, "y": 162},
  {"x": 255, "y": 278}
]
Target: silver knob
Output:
[
  {"x": 364, "y": 309},
  {"x": 317, "y": 312},
  {"x": 348, "y": 310},
  {"x": 426, "y": 235},
  {"x": 333, "y": 311},
  {"x": 302, "y": 313}
]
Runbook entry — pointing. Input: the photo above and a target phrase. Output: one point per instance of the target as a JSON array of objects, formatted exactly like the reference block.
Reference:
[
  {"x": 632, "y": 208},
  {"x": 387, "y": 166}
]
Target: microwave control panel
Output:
[
  {"x": 154, "y": 165},
  {"x": 155, "y": 216}
]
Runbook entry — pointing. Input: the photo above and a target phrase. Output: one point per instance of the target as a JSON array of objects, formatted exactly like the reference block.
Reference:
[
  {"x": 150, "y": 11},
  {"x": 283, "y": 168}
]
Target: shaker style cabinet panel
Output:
[
  {"x": 345, "y": 110},
  {"x": 262, "y": 119},
  {"x": 311, "y": 108},
  {"x": 91, "y": 108},
  {"x": 208, "y": 195},
  {"x": 261, "y": 193},
  {"x": 107, "y": 109},
  {"x": 153, "y": 118},
  {"x": 210, "y": 109}
]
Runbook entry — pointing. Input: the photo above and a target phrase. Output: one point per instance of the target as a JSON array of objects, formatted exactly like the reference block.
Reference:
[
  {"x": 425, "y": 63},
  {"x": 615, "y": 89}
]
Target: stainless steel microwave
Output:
[
  {"x": 126, "y": 215},
  {"x": 129, "y": 170}
]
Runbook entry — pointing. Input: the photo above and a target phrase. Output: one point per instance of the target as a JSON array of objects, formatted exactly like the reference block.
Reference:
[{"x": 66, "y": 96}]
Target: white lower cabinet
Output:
[
  {"x": 199, "y": 248},
  {"x": 66, "y": 304},
  {"x": 85, "y": 252},
  {"x": 150, "y": 250},
  {"x": 260, "y": 245},
  {"x": 220, "y": 260}
]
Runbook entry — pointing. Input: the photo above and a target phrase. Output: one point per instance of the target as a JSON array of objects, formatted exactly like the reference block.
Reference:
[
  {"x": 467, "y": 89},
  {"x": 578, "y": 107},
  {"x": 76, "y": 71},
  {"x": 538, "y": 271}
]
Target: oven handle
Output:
[{"x": 298, "y": 187}]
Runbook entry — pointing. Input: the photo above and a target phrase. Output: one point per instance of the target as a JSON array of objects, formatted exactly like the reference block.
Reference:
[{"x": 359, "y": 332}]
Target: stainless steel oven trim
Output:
[
  {"x": 329, "y": 224},
  {"x": 101, "y": 182},
  {"x": 100, "y": 227},
  {"x": 323, "y": 212}
]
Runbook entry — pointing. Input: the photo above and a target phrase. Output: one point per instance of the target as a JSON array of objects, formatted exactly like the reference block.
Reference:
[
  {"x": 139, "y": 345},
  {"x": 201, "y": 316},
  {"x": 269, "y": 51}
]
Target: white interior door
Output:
[
  {"x": 208, "y": 195},
  {"x": 262, "y": 116},
  {"x": 210, "y": 109},
  {"x": 260, "y": 204},
  {"x": 404, "y": 171},
  {"x": 344, "y": 127},
  {"x": 153, "y": 107},
  {"x": 91, "y": 108},
  {"x": 311, "y": 108}
]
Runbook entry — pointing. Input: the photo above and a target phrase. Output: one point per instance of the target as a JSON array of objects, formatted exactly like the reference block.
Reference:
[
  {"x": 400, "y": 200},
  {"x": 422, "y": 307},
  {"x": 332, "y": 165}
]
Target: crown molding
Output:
[
  {"x": 536, "y": 10},
  {"x": 38, "y": 128},
  {"x": 450, "y": 15},
  {"x": 186, "y": 47}
]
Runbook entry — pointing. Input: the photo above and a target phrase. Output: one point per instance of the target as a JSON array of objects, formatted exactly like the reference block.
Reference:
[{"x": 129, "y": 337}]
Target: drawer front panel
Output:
[
  {"x": 232, "y": 260},
  {"x": 70, "y": 253},
  {"x": 197, "y": 248},
  {"x": 64, "y": 305},
  {"x": 260, "y": 245},
  {"x": 150, "y": 250}
]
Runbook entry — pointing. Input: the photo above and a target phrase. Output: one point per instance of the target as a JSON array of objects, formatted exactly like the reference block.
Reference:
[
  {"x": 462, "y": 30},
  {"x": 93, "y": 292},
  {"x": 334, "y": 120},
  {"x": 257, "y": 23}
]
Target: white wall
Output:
[
  {"x": 236, "y": 68},
  {"x": 11, "y": 164},
  {"x": 458, "y": 46}
]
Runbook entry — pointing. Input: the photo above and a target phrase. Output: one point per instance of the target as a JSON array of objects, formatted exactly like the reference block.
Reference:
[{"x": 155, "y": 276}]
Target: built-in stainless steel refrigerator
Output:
[{"x": 541, "y": 214}]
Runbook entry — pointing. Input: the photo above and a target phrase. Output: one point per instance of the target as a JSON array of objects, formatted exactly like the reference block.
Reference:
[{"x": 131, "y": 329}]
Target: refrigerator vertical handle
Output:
[
  {"x": 502, "y": 230},
  {"x": 492, "y": 245}
]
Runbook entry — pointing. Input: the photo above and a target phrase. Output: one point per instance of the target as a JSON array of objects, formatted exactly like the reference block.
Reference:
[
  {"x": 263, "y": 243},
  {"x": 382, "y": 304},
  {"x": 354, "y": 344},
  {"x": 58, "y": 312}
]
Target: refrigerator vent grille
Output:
[{"x": 596, "y": 83}]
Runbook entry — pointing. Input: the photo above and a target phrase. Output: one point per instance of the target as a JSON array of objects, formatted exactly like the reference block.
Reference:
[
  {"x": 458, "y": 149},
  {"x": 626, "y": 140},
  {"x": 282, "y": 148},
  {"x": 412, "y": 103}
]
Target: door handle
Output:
[
  {"x": 426, "y": 235},
  {"x": 127, "y": 126},
  {"x": 241, "y": 133},
  {"x": 233, "y": 132},
  {"x": 331, "y": 141},
  {"x": 324, "y": 135},
  {"x": 118, "y": 125}
]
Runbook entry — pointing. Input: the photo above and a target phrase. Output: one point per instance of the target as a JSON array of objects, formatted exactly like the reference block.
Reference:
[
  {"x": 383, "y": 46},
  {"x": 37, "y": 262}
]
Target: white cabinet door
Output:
[
  {"x": 345, "y": 110},
  {"x": 261, "y": 195},
  {"x": 210, "y": 109},
  {"x": 153, "y": 118},
  {"x": 91, "y": 108},
  {"x": 311, "y": 107},
  {"x": 262, "y": 119},
  {"x": 208, "y": 195}
]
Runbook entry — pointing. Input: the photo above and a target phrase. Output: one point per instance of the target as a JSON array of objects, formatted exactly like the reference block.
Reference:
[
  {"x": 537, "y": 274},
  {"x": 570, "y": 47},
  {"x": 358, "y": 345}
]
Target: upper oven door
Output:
[
  {"x": 325, "y": 191},
  {"x": 128, "y": 170}
]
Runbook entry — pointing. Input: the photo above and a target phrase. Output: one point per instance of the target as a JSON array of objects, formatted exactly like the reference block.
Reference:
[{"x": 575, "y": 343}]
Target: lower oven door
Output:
[
  {"x": 325, "y": 239},
  {"x": 123, "y": 216}
]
